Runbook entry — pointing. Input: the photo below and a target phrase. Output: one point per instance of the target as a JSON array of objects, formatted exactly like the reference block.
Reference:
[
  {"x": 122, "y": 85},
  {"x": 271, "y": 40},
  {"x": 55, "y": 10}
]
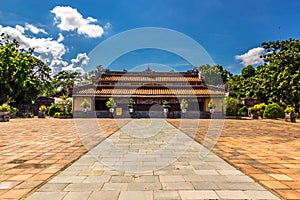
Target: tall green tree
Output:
[
  {"x": 279, "y": 76},
  {"x": 22, "y": 76},
  {"x": 214, "y": 75}
]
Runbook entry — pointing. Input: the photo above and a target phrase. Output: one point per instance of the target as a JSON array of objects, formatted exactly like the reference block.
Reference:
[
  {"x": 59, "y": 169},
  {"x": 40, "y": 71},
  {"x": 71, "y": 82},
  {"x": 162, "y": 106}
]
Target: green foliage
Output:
[
  {"x": 131, "y": 103},
  {"x": 289, "y": 109},
  {"x": 273, "y": 111},
  {"x": 211, "y": 104},
  {"x": 22, "y": 76},
  {"x": 43, "y": 108},
  {"x": 5, "y": 108},
  {"x": 111, "y": 103},
  {"x": 13, "y": 112},
  {"x": 214, "y": 75},
  {"x": 54, "y": 108},
  {"x": 184, "y": 104},
  {"x": 57, "y": 115},
  {"x": 85, "y": 104},
  {"x": 165, "y": 104},
  {"x": 231, "y": 106},
  {"x": 243, "y": 111},
  {"x": 260, "y": 108}
]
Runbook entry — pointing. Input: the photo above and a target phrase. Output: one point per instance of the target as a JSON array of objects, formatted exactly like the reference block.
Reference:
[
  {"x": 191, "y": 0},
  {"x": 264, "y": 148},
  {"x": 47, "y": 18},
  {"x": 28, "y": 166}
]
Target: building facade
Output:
[{"x": 149, "y": 89}]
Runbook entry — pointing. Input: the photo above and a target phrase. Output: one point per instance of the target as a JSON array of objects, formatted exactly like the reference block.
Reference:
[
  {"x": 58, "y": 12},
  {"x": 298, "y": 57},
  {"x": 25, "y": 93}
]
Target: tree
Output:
[
  {"x": 64, "y": 82},
  {"x": 214, "y": 75},
  {"x": 279, "y": 76},
  {"x": 22, "y": 76}
]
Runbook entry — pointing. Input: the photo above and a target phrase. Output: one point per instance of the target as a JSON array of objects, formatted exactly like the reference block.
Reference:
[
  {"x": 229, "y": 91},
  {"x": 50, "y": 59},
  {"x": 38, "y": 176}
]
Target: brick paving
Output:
[
  {"x": 150, "y": 159},
  {"x": 266, "y": 150},
  {"x": 33, "y": 150}
]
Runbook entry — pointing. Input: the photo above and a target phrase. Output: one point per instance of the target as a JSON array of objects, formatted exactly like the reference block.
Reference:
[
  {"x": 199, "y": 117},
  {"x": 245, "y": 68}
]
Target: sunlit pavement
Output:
[{"x": 33, "y": 151}]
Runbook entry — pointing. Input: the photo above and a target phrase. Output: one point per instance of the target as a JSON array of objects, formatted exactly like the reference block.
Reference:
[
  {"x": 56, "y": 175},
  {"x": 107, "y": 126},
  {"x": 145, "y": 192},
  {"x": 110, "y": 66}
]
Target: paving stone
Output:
[
  {"x": 177, "y": 186},
  {"x": 253, "y": 194},
  {"x": 146, "y": 179},
  {"x": 67, "y": 179},
  {"x": 171, "y": 178},
  {"x": 207, "y": 172},
  {"x": 52, "y": 187},
  {"x": 83, "y": 187},
  {"x": 115, "y": 186},
  {"x": 47, "y": 196},
  {"x": 129, "y": 195},
  {"x": 166, "y": 195},
  {"x": 144, "y": 186},
  {"x": 121, "y": 179},
  {"x": 77, "y": 196},
  {"x": 105, "y": 195},
  {"x": 198, "y": 194},
  {"x": 204, "y": 185},
  {"x": 97, "y": 179},
  {"x": 229, "y": 194}
]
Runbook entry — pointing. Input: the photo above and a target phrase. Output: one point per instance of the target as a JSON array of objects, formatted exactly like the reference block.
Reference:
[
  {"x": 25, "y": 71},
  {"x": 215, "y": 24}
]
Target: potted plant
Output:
[
  {"x": 111, "y": 104},
  {"x": 165, "y": 105},
  {"x": 253, "y": 113},
  {"x": 290, "y": 114},
  {"x": 184, "y": 105},
  {"x": 42, "y": 111},
  {"x": 5, "y": 112},
  {"x": 85, "y": 105},
  {"x": 131, "y": 105},
  {"x": 211, "y": 106}
]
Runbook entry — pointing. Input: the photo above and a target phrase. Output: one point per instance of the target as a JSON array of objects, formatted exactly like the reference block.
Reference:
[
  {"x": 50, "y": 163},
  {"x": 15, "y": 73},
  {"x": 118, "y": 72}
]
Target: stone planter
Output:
[
  {"x": 42, "y": 114},
  {"x": 131, "y": 110},
  {"x": 166, "y": 110},
  {"x": 111, "y": 110},
  {"x": 211, "y": 110},
  {"x": 4, "y": 116},
  {"x": 183, "y": 110}
]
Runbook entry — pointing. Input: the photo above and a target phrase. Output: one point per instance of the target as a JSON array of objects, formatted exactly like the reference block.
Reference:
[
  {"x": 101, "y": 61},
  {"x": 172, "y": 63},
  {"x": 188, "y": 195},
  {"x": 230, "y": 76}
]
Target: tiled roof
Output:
[
  {"x": 148, "y": 92},
  {"x": 150, "y": 79}
]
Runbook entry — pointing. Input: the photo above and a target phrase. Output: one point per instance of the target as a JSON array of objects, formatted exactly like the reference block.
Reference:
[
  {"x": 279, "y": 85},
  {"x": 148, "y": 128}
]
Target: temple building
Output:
[{"x": 148, "y": 89}]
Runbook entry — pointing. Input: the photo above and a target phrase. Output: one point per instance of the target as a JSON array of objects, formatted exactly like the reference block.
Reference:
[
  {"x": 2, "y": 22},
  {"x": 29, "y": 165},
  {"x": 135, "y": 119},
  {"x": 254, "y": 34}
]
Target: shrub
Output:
[
  {"x": 43, "y": 108},
  {"x": 111, "y": 103},
  {"x": 289, "y": 109},
  {"x": 260, "y": 108},
  {"x": 243, "y": 111},
  {"x": 5, "y": 107},
  {"x": 231, "y": 105},
  {"x": 57, "y": 115},
  {"x": 13, "y": 112},
  {"x": 273, "y": 111},
  {"x": 54, "y": 108}
]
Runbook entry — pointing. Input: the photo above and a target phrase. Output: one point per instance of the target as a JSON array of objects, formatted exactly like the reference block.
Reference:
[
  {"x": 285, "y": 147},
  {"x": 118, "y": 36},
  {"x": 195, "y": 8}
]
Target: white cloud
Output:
[
  {"x": 252, "y": 57},
  {"x": 69, "y": 19},
  {"x": 34, "y": 29},
  {"x": 46, "y": 49},
  {"x": 78, "y": 63},
  {"x": 60, "y": 37}
]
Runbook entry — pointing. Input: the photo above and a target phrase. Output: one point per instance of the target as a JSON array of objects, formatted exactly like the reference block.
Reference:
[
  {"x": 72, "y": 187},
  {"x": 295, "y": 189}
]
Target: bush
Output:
[
  {"x": 231, "y": 105},
  {"x": 273, "y": 111},
  {"x": 57, "y": 115},
  {"x": 289, "y": 109},
  {"x": 260, "y": 108},
  {"x": 43, "y": 108},
  {"x": 243, "y": 111},
  {"x": 13, "y": 112},
  {"x": 5, "y": 107},
  {"x": 54, "y": 108}
]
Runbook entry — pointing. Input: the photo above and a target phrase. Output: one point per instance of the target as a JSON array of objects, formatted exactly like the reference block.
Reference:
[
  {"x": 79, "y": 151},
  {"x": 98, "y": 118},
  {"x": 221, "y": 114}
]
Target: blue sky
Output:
[{"x": 230, "y": 31}]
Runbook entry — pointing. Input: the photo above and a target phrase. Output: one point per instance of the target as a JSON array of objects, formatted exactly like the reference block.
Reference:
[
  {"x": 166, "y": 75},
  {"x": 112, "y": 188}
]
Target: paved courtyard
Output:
[
  {"x": 150, "y": 159},
  {"x": 35, "y": 151}
]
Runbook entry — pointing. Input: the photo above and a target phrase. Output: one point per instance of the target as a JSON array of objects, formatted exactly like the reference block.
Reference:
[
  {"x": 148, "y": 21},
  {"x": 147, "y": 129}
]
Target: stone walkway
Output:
[{"x": 150, "y": 160}]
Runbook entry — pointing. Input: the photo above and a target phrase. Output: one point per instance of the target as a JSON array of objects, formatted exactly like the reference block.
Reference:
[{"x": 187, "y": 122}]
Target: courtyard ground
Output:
[{"x": 34, "y": 150}]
